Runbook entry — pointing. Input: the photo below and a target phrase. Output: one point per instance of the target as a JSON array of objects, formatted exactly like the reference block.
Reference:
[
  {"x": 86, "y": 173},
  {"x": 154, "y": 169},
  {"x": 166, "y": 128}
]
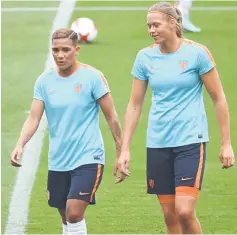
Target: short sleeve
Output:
[
  {"x": 205, "y": 61},
  {"x": 138, "y": 69},
  {"x": 38, "y": 91},
  {"x": 100, "y": 86}
]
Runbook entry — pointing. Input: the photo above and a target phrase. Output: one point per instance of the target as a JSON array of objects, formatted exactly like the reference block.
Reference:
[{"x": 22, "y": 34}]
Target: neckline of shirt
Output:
[
  {"x": 171, "y": 53},
  {"x": 69, "y": 76}
]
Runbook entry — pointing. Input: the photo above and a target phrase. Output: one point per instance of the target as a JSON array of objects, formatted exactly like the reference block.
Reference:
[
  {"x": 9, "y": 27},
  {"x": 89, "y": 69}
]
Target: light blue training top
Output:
[
  {"x": 177, "y": 116},
  {"x": 72, "y": 112}
]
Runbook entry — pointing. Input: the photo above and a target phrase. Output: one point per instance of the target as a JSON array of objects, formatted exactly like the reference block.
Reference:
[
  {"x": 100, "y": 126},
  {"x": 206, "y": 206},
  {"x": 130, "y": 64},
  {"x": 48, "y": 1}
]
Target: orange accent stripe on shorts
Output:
[
  {"x": 168, "y": 198},
  {"x": 200, "y": 45},
  {"x": 96, "y": 182},
  {"x": 187, "y": 191},
  {"x": 200, "y": 167}
]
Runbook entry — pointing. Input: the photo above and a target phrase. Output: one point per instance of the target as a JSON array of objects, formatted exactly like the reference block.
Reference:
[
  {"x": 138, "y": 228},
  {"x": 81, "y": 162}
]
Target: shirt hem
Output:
[
  {"x": 103, "y": 94},
  {"x": 139, "y": 77},
  {"x": 177, "y": 145},
  {"x": 207, "y": 70},
  {"x": 74, "y": 167},
  {"x": 38, "y": 98}
]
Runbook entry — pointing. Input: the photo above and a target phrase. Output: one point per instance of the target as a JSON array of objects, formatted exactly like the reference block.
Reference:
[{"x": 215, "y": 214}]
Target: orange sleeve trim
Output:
[
  {"x": 187, "y": 191},
  {"x": 104, "y": 81},
  {"x": 96, "y": 182},
  {"x": 86, "y": 66},
  {"x": 169, "y": 198},
  {"x": 203, "y": 47},
  {"x": 210, "y": 56},
  {"x": 101, "y": 74},
  {"x": 200, "y": 167},
  {"x": 151, "y": 46}
]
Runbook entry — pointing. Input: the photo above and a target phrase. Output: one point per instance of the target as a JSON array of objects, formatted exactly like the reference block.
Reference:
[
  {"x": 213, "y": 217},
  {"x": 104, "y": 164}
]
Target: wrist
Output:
[
  {"x": 225, "y": 143},
  {"x": 125, "y": 149},
  {"x": 20, "y": 144}
]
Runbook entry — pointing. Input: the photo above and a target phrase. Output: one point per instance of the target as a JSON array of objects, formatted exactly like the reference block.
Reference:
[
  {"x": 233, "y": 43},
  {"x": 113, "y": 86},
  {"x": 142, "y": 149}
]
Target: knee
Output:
[
  {"x": 184, "y": 214},
  {"x": 75, "y": 210},
  {"x": 171, "y": 218},
  {"x": 73, "y": 215}
]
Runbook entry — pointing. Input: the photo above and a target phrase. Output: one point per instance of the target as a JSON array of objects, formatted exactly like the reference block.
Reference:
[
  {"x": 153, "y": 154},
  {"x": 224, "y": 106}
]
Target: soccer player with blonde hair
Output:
[{"x": 176, "y": 70}]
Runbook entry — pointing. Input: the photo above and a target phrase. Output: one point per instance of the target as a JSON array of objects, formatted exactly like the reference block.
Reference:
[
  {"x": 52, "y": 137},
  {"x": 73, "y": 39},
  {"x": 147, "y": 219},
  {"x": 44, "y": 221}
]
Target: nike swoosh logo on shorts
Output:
[
  {"x": 184, "y": 179},
  {"x": 82, "y": 194}
]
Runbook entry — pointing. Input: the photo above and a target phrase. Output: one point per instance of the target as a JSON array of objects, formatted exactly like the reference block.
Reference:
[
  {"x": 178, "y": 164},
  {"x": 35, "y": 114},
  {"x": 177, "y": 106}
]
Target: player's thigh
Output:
[
  {"x": 160, "y": 173},
  {"x": 58, "y": 188},
  {"x": 189, "y": 168},
  {"x": 85, "y": 181}
]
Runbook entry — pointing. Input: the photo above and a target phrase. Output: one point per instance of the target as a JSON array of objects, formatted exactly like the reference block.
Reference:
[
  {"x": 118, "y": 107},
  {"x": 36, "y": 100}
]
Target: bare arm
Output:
[
  {"x": 131, "y": 118},
  {"x": 29, "y": 128},
  {"x": 214, "y": 87},
  {"x": 107, "y": 107},
  {"x": 133, "y": 111},
  {"x": 32, "y": 122}
]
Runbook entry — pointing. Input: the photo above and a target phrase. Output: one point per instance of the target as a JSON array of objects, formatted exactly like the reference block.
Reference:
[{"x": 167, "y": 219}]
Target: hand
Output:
[
  {"x": 118, "y": 178},
  {"x": 123, "y": 165},
  {"x": 227, "y": 157},
  {"x": 16, "y": 155},
  {"x": 116, "y": 168}
]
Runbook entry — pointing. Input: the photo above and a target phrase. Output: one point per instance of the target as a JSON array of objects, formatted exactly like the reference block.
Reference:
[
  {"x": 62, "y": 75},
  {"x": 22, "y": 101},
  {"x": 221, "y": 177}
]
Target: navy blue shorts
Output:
[
  {"x": 177, "y": 167},
  {"x": 80, "y": 183}
]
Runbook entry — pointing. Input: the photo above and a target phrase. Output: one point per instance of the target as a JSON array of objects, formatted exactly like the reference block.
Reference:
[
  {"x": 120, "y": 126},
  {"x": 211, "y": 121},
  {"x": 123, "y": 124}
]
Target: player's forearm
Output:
[
  {"x": 116, "y": 131},
  {"x": 222, "y": 113},
  {"x": 130, "y": 123},
  {"x": 29, "y": 128}
]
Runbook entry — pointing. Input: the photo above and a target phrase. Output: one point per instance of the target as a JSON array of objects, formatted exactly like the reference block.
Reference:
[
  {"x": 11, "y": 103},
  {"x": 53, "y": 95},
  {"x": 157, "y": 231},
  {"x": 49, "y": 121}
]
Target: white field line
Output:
[
  {"x": 19, "y": 205},
  {"x": 112, "y": 0},
  {"x": 112, "y": 8}
]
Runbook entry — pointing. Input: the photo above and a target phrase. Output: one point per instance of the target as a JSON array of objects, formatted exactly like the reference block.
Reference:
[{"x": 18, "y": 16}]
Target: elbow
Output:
[
  {"x": 221, "y": 103},
  {"x": 134, "y": 107},
  {"x": 219, "y": 99}
]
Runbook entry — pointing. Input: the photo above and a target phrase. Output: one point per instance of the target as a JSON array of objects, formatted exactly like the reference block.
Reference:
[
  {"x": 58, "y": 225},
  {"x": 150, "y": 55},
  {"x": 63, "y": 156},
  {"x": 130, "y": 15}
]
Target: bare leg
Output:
[
  {"x": 75, "y": 211},
  {"x": 185, "y": 208},
  {"x": 171, "y": 218}
]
